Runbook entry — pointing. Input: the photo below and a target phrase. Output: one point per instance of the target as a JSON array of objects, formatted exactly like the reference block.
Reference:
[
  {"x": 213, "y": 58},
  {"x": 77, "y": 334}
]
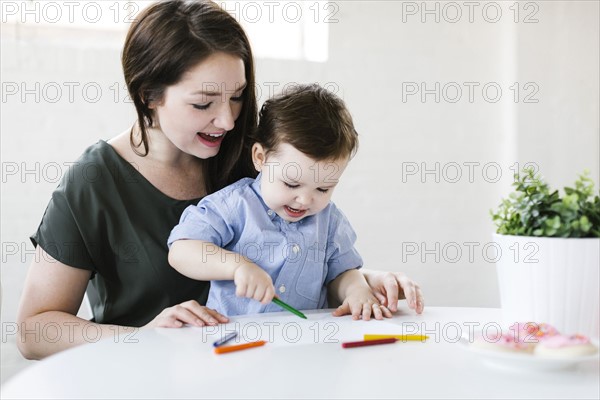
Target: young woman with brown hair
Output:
[{"x": 189, "y": 70}]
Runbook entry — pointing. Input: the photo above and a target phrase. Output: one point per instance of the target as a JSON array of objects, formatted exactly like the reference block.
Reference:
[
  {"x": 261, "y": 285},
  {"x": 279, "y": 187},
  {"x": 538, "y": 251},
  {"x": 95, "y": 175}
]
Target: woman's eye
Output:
[
  {"x": 201, "y": 106},
  {"x": 240, "y": 98},
  {"x": 323, "y": 190},
  {"x": 291, "y": 186}
]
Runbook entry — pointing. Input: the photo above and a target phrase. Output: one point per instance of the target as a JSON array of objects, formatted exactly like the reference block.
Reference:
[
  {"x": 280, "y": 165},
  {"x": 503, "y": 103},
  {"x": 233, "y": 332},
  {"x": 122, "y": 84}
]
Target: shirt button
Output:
[
  {"x": 282, "y": 289},
  {"x": 296, "y": 248},
  {"x": 270, "y": 212}
]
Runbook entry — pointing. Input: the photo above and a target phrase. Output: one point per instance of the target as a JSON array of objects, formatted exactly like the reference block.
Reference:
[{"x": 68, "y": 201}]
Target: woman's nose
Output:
[{"x": 224, "y": 119}]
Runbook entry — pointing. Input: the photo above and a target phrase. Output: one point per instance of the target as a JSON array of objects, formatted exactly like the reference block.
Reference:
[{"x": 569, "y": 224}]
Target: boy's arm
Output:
[
  {"x": 196, "y": 242},
  {"x": 205, "y": 261},
  {"x": 346, "y": 282},
  {"x": 359, "y": 300}
]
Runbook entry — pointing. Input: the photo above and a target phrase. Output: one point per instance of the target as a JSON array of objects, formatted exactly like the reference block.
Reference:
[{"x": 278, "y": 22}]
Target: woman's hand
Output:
[
  {"x": 190, "y": 312},
  {"x": 388, "y": 287}
]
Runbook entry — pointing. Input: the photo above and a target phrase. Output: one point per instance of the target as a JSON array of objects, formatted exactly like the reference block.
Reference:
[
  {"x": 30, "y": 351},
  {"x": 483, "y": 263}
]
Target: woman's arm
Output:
[{"x": 52, "y": 296}]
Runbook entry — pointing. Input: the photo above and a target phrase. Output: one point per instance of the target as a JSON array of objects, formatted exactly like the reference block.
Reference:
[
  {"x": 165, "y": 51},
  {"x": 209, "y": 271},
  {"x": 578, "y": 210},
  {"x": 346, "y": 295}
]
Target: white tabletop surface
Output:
[{"x": 303, "y": 359}]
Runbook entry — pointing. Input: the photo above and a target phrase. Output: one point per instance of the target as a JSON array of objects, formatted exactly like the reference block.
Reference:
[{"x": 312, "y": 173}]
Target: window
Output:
[{"x": 296, "y": 30}]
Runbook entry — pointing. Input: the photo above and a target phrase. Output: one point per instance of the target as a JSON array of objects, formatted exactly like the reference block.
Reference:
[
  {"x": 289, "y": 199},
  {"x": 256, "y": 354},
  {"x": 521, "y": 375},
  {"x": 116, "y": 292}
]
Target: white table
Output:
[{"x": 303, "y": 359}]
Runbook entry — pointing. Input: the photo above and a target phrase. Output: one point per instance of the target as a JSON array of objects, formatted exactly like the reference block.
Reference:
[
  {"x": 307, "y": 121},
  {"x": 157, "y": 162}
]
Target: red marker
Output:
[{"x": 368, "y": 343}]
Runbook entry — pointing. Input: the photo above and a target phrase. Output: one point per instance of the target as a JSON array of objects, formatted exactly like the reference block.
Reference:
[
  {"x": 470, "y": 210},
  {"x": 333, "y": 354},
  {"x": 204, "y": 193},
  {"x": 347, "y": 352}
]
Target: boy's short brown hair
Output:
[{"x": 312, "y": 119}]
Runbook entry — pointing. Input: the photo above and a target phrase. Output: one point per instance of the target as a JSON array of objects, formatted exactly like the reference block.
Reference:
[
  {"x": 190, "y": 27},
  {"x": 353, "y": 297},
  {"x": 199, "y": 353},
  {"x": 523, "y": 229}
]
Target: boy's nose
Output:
[{"x": 304, "y": 200}]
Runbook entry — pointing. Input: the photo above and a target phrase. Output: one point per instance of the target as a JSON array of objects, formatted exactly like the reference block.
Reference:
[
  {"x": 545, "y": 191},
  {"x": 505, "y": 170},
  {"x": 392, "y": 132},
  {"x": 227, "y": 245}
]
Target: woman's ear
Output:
[
  {"x": 151, "y": 104},
  {"x": 259, "y": 156}
]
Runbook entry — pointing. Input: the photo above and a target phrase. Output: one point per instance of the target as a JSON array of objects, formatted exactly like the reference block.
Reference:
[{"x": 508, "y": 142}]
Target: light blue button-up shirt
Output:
[{"x": 301, "y": 257}]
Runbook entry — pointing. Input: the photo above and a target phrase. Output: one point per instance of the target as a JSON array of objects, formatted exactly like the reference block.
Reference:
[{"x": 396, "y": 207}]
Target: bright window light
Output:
[{"x": 294, "y": 30}]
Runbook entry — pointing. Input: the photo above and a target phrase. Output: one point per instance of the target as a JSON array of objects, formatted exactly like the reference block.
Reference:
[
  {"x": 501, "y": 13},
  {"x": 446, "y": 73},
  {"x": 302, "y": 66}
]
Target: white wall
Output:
[{"x": 374, "y": 55}]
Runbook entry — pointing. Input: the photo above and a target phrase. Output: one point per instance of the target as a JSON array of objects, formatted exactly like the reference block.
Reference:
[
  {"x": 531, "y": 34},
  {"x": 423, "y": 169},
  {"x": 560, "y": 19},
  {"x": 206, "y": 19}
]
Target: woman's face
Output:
[{"x": 197, "y": 112}]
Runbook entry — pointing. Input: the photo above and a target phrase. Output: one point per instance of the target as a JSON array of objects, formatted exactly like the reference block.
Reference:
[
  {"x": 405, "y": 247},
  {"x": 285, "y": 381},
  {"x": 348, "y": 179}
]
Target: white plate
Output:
[{"x": 522, "y": 361}]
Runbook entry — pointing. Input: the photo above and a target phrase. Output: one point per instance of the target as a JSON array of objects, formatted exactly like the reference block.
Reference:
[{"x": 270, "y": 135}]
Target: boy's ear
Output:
[{"x": 258, "y": 156}]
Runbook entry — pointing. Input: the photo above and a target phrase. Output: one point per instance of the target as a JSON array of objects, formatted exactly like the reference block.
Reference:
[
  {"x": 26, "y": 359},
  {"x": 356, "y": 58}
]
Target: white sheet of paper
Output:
[{"x": 286, "y": 330}]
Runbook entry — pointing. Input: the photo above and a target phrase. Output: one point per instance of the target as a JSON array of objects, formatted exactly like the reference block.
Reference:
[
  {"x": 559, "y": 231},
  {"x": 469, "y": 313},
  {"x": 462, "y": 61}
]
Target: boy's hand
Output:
[
  {"x": 253, "y": 282},
  {"x": 362, "y": 303},
  {"x": 391, "y": 286}
]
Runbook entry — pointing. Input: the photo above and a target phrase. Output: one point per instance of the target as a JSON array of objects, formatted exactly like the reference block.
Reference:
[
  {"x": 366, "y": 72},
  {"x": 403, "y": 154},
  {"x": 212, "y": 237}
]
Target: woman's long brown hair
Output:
[{"x": 166, "y": 40}]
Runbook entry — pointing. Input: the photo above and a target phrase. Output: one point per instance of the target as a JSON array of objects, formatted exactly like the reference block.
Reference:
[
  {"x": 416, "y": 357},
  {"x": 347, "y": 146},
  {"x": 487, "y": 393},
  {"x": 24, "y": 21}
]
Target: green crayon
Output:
[{"x": 288, "y": 307}]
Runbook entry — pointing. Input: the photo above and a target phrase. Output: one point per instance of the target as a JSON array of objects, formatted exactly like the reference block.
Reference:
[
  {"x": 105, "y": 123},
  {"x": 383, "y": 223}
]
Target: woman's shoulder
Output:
[
  {"x": 97, "y": 166},
  {"x": 95, "y": 156}
]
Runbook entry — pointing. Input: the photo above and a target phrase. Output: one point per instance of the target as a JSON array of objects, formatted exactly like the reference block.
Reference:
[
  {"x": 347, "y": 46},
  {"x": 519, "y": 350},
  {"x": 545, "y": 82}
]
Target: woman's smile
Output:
[{"x": 211, "y": 139}]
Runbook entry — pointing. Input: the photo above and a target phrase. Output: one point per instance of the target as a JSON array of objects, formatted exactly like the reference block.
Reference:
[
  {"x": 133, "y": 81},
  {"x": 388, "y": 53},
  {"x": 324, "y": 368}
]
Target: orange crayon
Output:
[{"x": 237, "y": 347}]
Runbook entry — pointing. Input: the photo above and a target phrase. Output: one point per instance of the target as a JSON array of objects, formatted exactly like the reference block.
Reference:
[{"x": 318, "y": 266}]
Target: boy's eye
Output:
[
  {"x": 323, "y": 190},
  {"x": 291, "y": 186},
  {"x": 201, "y": 106}
]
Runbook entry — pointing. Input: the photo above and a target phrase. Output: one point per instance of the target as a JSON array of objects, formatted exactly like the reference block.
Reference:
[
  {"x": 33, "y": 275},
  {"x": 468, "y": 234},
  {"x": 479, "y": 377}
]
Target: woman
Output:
[{"x": 189, "y": 70}]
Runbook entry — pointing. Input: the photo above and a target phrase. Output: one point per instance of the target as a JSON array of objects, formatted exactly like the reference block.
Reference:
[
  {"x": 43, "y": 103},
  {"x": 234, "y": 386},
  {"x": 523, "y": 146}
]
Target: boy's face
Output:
[{"x": 293, "y": 184}]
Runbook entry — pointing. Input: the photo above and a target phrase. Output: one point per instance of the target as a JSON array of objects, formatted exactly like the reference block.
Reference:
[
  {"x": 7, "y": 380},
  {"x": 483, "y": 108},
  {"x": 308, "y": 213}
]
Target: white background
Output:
[{"x": 433, "y": 225}]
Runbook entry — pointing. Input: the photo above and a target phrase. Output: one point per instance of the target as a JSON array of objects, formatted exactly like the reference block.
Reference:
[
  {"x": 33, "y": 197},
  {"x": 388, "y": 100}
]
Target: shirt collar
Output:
[{"x": 257, "y": 189}]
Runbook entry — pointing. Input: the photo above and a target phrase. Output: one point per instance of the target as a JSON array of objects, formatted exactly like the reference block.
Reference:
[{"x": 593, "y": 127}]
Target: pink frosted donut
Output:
[
  {"x": 565, "y": 346},
  {"x": 521, "y": 337},
  {"x": 531, "y": 331},
  {"x": 545, "y": 331},
  {"x": 504, "y": 343}
]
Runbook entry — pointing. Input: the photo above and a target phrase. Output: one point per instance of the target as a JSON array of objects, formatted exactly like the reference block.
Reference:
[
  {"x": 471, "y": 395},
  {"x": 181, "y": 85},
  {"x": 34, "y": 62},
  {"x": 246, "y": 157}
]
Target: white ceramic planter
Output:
[{"x": 550, "y": 280}]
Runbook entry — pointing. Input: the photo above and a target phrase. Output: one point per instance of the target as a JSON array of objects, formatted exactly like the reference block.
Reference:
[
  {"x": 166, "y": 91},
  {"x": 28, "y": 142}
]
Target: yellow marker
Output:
[{"x": 403, "y": 338}]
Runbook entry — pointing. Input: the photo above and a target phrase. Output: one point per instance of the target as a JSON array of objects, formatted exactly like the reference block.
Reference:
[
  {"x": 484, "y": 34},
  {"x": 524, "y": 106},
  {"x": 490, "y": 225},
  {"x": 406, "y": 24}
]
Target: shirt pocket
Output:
[{"x": 310, "y": 280}]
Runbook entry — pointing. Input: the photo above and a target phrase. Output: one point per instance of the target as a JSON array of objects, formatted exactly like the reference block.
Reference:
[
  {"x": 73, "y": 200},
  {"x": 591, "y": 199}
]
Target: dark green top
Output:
[{"x": 105, "y": 217}]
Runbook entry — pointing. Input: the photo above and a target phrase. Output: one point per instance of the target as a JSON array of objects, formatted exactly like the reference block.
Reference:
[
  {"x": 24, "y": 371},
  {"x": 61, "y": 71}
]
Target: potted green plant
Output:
[{"x": 549, "y": 254}]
